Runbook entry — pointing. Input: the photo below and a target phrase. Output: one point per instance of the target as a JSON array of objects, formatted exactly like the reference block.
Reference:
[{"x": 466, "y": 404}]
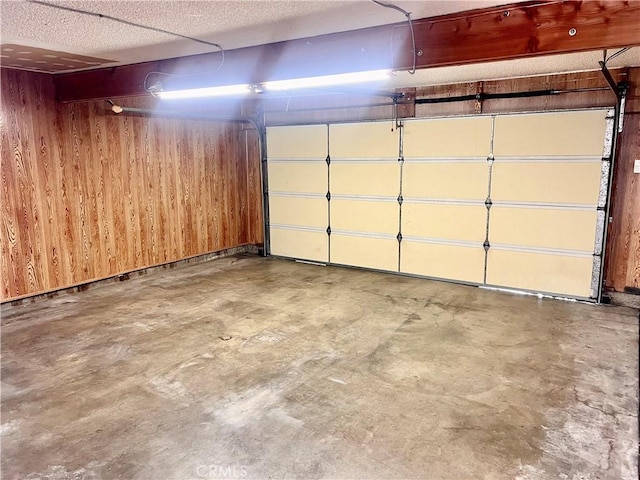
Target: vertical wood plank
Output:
[
  {"x": 254, "y": 188},
  {"x": 623, "y": 260}
]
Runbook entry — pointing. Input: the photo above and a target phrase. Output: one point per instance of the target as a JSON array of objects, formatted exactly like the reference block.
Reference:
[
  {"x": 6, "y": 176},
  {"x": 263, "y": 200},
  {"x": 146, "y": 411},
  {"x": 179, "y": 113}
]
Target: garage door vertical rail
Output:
[
  {"x": 400, "y": 128},
  {"x": 597, "y": 277},
  {"x": 328, "y": 195},
  {"x": 264, "y": 172},
  {"x": 620, "y": 90}
]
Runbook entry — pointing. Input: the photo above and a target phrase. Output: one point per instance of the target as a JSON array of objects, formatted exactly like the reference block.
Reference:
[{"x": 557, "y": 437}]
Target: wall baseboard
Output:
[
  {"x": 121, "y": 277},
  {"x": 625, "y": 299}
]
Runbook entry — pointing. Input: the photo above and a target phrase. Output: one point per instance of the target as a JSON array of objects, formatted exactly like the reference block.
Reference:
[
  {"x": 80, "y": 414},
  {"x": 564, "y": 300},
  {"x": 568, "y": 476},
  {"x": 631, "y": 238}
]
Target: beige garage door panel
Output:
[
  {"x": 308, "y": 212},
  {"x": 448, "y": 137},
  {"x": 454, "y": 222},
  {"x": 546, "y": 182},
  {"x": 550, "y": 134},
  {"x": 365, "y": 179},
  {"x": 540, "y": 272},
  {"x": 378, "y": 253},
  {"x": 365, "y": 216},
  {"x": 443, "y": 261},
  {"x": 298, "y": 177},
  {"x": 560, "y": 229},
  {"x": 298, "y": 142},
  {"x": 300, "y": 244},
  {"x": 468, "y": 180},
  {"x": 364, "y": 140}
]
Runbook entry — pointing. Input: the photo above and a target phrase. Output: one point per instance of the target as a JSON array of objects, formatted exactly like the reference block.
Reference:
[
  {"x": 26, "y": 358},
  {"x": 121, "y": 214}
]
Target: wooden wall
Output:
[
  {"x": 86, "y": 194},
  {"x": 623, "y": 246},
  {"x": 623, "y": 262}
]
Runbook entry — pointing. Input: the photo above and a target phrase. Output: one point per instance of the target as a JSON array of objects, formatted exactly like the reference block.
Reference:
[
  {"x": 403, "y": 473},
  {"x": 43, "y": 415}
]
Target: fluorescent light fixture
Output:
[
  {"x": 205, "y": 92},
  {"x": 327, "y": 80},
  {"x": 277, "y": 85}
]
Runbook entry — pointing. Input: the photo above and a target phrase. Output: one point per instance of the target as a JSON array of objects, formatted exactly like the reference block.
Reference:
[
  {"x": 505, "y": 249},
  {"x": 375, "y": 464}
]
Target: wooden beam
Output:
[
  {"x": 519, "y": 31},
  {"x": 499, "y": 33}
]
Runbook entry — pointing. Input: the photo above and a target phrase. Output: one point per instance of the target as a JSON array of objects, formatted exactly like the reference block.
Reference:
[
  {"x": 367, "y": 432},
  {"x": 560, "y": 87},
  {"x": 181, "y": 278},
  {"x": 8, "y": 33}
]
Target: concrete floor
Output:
[{"x": 328, "y": 373}]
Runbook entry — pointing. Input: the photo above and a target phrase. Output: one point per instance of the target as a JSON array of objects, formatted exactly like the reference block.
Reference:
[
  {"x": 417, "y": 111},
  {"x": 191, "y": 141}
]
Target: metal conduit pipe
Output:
[{"x": 175, "y": 113}]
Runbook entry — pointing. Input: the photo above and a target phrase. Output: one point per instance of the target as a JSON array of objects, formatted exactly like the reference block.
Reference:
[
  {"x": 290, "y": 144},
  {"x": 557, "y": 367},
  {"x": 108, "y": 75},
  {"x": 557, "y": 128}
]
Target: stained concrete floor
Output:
[{"x": 329, "y": 373}]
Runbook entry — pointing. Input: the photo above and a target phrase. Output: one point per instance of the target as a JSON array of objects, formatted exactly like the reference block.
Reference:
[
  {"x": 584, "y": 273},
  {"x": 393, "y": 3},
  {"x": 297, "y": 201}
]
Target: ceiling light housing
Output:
[
  {"x": 323, "y": 81},
  {"x": 226, "y": 90},
  {"x": 327, "y": 80}
]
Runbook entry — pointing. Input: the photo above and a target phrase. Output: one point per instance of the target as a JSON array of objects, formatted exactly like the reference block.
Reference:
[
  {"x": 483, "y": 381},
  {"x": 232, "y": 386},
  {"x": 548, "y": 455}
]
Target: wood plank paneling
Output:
[
  {"x": 87, "y": 194},
  {"x": 50, "y": 256},
  {"x": 623, "y": 261},
  {"x": 255, "y": 223}
]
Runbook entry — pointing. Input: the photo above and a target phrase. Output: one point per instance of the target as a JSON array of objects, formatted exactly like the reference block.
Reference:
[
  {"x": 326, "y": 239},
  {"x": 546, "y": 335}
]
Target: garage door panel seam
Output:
[
  {"x": 549, "y": 159},
  {"x": 542, "y": 250}
]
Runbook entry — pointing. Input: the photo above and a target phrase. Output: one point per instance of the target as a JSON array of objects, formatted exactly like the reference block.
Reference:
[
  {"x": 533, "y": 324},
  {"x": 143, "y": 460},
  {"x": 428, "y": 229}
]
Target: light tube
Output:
[
  {"x": 327, "y": 80},
  {"x": 205, "y": 92}
]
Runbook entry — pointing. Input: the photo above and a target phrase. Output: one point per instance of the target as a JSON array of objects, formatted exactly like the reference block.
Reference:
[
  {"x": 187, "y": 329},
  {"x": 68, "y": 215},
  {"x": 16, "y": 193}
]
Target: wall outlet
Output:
[{"x": 636, "y": 166}]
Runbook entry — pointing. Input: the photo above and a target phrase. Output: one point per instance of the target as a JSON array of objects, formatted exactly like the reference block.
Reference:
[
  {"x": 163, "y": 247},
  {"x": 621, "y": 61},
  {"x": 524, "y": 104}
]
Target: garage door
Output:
[{"x": 512, "y": 201}]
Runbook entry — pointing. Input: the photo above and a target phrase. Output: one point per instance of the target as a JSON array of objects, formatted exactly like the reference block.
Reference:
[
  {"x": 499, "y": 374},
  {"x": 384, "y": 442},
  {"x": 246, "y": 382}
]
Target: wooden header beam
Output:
[
  {"x": 500, "y": 33},
  {"x": 520, "y": 31}
]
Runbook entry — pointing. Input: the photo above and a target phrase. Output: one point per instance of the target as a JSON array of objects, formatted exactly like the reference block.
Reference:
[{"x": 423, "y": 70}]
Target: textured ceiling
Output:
[
  {"x": 233, "y": 24},
  {"x": 239, "y": 23},
  {"x": 45, "y": 60}
]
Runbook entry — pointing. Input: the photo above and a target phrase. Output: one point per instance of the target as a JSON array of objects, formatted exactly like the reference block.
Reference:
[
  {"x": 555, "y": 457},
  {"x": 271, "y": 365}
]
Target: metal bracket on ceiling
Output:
[
  {"x": 619, "y": 89},
  {"x": 396, "y": 117}
]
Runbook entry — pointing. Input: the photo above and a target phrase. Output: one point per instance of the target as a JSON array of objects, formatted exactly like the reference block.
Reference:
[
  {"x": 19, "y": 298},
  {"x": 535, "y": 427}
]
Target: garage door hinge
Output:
[
  {"x": 488, "y": 203},
  {"x": 400, "y": 199},
  {"x": 490, "y": 159},
  {"x": 400, "y": 159},
  {"x": 328, "y": 160},
  {"x": 328, "y": 195},
  {"x": 328, "y": 230},
  {"x": 486, "y": 245},
  {"x": 399, "y": 237}
]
